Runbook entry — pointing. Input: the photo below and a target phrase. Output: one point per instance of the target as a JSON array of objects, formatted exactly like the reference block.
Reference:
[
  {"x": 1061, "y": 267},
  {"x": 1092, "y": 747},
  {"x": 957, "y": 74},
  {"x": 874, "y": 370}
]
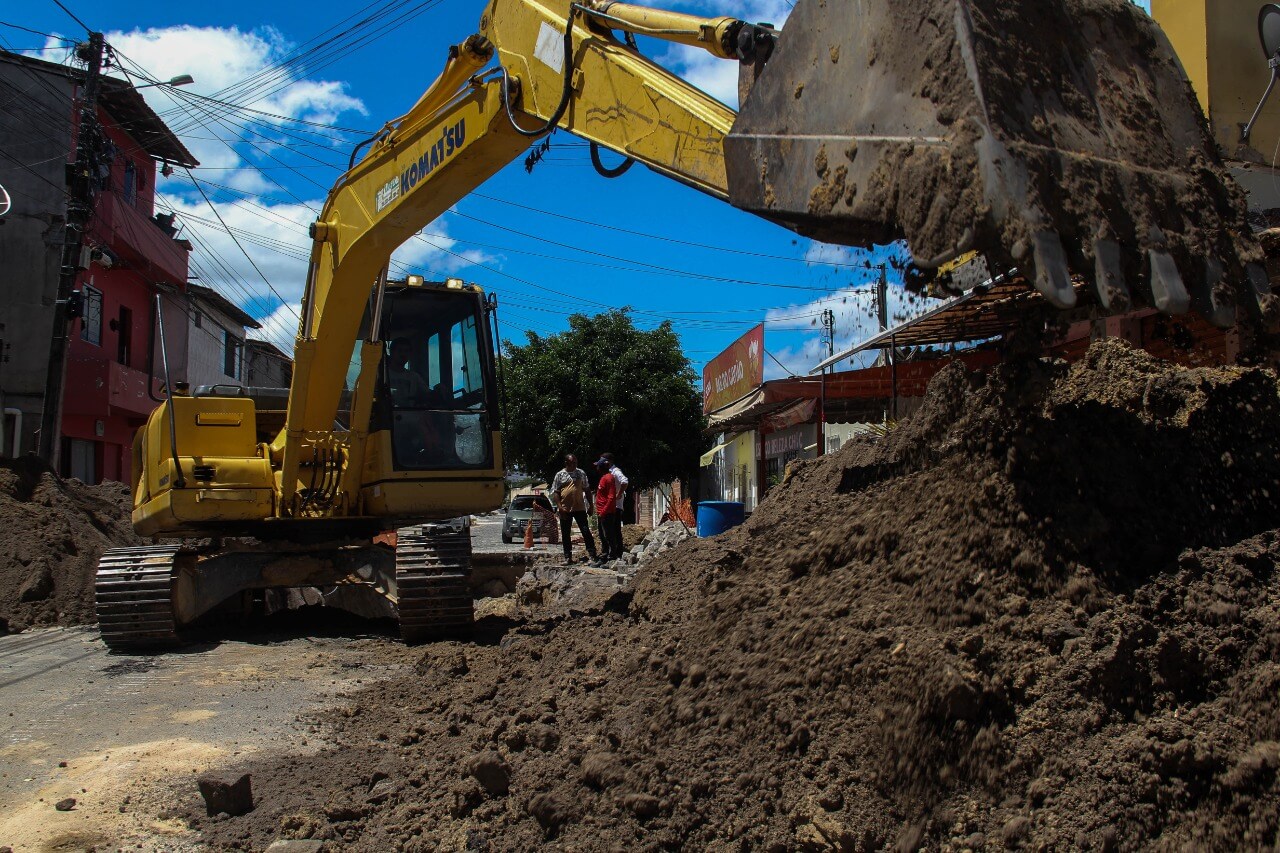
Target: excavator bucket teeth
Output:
[{"x": 1060, "y": 137}]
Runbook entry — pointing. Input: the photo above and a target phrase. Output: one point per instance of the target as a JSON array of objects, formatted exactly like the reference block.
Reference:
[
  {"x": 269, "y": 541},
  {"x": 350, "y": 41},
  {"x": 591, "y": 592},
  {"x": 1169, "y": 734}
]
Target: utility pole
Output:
[
  {"x": 829, "y": 330},
  {"x": 80, "y": 197},
  {"x": 882, "y": 310}
]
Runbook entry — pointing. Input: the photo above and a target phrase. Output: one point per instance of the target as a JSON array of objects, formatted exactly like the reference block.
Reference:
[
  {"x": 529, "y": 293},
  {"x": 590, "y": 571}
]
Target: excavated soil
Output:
[
  {"x": 1042, "y": 612},
  {"x": 54, "y": 532}
]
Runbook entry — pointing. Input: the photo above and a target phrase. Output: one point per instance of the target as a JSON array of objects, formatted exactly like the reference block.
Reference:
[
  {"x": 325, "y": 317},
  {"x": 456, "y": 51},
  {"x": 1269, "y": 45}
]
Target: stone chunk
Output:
[
  {"x": 38, "y": 586},
  {"x": 602, "y": 770},
  {"x": 491, "y": 772},
  {"x": 66, "y": 805},
  {"x": 550, "y": 810},
  {"x": 641, "y": 805},
  {"x": 226, "y": 793}
]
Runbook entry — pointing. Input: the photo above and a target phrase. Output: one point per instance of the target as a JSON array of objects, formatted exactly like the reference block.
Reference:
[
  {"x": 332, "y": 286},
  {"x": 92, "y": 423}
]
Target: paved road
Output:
[
  {"x": 133, "y": 730},
  {"x": 486, "y": 538}
]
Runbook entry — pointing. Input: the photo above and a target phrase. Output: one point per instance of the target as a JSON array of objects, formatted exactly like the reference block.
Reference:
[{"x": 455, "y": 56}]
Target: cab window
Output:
[{"x": 437, "y": 376}]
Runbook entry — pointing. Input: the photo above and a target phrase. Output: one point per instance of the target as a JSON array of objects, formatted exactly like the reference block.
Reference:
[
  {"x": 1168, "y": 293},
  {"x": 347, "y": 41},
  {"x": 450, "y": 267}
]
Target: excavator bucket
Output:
[{"x": 1058, "y": 137}]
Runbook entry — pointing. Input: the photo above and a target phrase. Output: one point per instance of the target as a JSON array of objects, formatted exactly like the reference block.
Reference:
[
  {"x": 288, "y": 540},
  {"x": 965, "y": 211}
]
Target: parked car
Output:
[{"x": 521, "y": 511}]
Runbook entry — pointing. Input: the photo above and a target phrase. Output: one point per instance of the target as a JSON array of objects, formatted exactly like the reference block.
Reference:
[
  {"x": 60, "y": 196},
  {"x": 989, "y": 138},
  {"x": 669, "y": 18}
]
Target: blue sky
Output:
[{"x": 525, "y": 236}]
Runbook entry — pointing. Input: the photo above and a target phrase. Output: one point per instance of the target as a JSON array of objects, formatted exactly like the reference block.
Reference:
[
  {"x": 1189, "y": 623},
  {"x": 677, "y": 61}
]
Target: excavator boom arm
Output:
[{"x": 465, "y": 128}]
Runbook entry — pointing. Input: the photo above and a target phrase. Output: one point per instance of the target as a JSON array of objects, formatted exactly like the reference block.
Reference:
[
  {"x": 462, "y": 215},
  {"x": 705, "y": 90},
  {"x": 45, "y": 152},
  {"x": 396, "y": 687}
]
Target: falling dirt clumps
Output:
[
  {"x": 1044, "y": 611},
  {"x": 54, "y": 532}
]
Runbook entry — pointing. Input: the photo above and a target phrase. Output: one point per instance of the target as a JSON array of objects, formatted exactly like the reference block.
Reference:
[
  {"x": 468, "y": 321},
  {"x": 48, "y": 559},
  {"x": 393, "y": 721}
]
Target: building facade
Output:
[
  {"x": 266, "y": 365},
  {"x": 216, "y": 334},
  {"x": 130, "y": 258},
  {"x": 730, "y": 470}
]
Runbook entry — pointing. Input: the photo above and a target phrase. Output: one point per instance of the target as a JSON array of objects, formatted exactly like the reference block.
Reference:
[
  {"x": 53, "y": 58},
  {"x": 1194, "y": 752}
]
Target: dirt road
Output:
[{"x": 124, "y": 736}]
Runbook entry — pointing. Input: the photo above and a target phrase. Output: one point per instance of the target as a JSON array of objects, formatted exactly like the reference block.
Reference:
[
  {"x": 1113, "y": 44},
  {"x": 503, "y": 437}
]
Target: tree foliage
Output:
[{"x": 604, "y": 385}]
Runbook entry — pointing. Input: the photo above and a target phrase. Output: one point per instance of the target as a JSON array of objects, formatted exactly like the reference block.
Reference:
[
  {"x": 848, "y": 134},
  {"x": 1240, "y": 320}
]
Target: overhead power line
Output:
[
  {"x": 37, "y": 32},
  {"x": 664, "y": 238},
  {"x": 72, "y": 15}
]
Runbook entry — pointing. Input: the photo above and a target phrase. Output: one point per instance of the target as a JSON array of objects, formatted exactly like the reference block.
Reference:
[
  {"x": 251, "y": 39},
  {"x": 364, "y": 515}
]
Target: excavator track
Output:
[
  {"x": 433, "y": 569},
  {"x": 134, "y": 596}
]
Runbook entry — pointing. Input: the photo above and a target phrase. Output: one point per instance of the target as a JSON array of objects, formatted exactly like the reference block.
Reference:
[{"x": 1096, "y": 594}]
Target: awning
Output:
[
  {"x": 710, "y": 456},
  {"x": 800, "y": 412},
  {"x": 847, "y": 395}
]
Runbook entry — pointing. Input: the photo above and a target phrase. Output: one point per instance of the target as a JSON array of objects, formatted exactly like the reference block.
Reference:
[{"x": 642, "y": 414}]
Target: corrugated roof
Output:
[
  {"x": 986, "y": 311},
  {"x": 257, "y": 343},
  {"x": 124, "y": 104},
  {"x": 212, "y": 297}
]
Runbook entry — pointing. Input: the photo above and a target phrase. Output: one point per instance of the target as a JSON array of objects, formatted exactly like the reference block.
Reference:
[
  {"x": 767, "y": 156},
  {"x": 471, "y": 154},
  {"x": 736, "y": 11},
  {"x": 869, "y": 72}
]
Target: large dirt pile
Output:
[
  {"x": 1045, "y": 611},
  {"x": 54, "y": 532}
]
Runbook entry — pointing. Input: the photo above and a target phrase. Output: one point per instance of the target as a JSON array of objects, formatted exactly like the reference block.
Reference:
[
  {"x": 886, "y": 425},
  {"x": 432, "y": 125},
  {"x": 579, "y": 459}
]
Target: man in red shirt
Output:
[{"x": 607, "y": 513}]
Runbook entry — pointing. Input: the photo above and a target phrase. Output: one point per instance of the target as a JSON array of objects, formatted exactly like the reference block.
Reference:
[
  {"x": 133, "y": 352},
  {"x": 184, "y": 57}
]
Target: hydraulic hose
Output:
[{"x": 565, "y": 93}]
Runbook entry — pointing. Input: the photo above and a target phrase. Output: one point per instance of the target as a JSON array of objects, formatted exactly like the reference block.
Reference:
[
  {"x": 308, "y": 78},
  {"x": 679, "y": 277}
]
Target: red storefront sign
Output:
[{"x": 735, "y": 372}]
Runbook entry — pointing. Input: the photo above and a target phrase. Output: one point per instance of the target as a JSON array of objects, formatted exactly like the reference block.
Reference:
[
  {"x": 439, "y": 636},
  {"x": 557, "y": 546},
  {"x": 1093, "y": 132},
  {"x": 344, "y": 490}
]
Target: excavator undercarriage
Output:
[{"x": 149, "y": 597}]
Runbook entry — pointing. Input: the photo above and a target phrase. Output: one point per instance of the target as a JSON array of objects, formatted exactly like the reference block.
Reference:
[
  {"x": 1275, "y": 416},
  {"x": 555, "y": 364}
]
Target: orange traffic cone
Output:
[{"x": 528, "y": 535}]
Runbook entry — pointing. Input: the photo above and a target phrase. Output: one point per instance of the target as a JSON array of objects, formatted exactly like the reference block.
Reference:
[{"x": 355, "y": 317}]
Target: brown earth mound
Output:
[
  {"x": 1045, "y": 611},
  {"x": 54, "y": 532}
]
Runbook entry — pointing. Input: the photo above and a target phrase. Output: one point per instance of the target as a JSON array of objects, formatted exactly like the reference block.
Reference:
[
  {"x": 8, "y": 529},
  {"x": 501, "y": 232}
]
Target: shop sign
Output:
[
  {"x": 784, "y": 443},
  {"x": 735, "y": 372}
]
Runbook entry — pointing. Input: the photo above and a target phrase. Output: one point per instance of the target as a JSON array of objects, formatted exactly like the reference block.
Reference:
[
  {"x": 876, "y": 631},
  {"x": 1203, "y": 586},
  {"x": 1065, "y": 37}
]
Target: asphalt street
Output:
[{"x": 124, "y": 735}]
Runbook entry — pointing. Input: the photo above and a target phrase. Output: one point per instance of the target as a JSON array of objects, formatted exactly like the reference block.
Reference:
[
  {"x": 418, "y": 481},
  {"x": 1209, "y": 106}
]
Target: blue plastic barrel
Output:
[{"x": 718, "y": 516}]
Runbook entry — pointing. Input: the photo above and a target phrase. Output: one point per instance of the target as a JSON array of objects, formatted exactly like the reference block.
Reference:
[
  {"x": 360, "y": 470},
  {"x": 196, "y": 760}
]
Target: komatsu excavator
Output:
[{"x": 1057, "y": 138}]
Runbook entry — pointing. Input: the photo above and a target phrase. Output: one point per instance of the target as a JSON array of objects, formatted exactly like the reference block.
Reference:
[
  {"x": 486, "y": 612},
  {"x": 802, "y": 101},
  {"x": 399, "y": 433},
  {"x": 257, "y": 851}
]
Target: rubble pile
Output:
[
  {"x": 55, "y": 531},
  {"x": 1044, "y": 612},
  {"x": 550, "y": 588}
]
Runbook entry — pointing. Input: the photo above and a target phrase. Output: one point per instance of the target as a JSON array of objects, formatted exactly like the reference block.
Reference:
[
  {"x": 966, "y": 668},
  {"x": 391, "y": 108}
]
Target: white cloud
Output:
[
  {"x": 274, "y": 235},
  {"x": 218, "y": 58},
  {"x": 280, "y": 327},
  {"x": 854, "y": 308},
  {"x": 719, "y": 77}
]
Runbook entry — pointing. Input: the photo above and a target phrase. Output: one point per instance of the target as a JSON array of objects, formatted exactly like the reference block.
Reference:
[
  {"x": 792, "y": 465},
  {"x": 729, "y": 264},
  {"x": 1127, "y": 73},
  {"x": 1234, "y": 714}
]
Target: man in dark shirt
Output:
[{"x": 607, "y": 512}]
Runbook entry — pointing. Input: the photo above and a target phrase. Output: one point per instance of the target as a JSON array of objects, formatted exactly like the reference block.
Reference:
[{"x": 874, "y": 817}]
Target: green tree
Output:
[{"x": 604, "y": 385}]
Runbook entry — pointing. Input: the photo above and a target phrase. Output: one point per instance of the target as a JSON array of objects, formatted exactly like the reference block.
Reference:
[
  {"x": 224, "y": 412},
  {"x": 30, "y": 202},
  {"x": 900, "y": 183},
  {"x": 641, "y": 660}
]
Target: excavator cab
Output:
[
  {"x": 436, "y": 395},
  {"x": 434, "y": 449}
]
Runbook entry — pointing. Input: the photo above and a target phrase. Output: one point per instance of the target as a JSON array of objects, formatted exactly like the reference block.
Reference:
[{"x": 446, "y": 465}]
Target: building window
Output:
[
  {"x": 130, "y": 188},
  {"x": 232, "y": 349},
  {"x": 124, "y": 337},
  {"x": 195, "y": 319},
  {"x": 80, "y": 460},
  {"x": 91, "y": 322}
]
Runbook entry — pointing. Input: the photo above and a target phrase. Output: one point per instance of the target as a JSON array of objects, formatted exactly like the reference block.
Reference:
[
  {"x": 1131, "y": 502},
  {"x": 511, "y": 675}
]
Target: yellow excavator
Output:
[{"x": 1057, "y": 138}]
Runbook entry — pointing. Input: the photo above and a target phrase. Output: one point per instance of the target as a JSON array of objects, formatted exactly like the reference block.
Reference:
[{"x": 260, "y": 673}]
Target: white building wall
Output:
[
  {"x": 731, "y": 476},
  {"x": 207, "y": 347},
  {"x": 837, "y": 435}
]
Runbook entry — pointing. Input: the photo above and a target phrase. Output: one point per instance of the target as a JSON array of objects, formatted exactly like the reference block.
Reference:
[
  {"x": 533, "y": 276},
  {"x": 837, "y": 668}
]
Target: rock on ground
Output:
[{"x": 228, "y": 793}]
